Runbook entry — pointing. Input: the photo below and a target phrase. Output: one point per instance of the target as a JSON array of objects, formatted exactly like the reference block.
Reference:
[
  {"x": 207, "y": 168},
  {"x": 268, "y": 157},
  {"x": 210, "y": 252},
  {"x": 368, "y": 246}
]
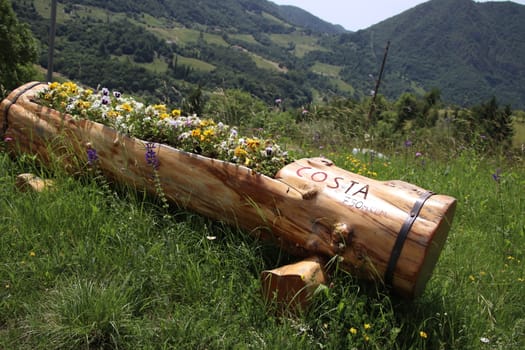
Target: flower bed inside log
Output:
[{"x": 391, "y": 232}]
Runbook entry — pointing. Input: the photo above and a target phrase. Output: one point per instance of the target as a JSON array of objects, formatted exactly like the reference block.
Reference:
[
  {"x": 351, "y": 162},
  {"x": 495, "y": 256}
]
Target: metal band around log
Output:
[
  {"x": 403, "y": 233},
  {"x": 12, "y": 102}
]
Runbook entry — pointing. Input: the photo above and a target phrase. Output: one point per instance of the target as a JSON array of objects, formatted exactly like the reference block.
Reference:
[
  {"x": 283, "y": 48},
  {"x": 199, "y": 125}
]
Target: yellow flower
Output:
[
  {"x": 7, "y": 286},
  {"x": 164, "y": 115},
  {"x": 472, "y": 278},
  {"x": 160, "y": 108},
  {"x": 53, "y": 85},
  {"x": 367, "y": 338},
  {"x": 368, "y": 326},
  {"x": 176, "y": 112},
  {"x": 126, "y": 107},
  {"x": 113, "y": 114},
  {"x": 239, "y": 152},
  {"x": 32, "y": 253},
  {"x": 196, "y": 132},
  {"x": 353, "y": 331},
  {"x": 253, "y": 143},
  {"x": 423, "y": 334}
]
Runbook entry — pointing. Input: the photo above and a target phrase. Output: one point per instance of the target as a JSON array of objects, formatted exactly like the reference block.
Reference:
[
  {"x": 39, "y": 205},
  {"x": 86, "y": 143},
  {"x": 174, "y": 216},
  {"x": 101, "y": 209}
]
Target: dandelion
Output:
[
  {"x": 32, "y": 254},
  {"x": 368, "y": 326},
  {"x": 423, "y": 334},
  {"x": 352, "y": 331},
  {"x": 472, "y": 278}
]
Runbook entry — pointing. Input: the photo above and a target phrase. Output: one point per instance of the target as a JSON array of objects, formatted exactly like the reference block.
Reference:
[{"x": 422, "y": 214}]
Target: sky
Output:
[{"x": 357, "y": 14}]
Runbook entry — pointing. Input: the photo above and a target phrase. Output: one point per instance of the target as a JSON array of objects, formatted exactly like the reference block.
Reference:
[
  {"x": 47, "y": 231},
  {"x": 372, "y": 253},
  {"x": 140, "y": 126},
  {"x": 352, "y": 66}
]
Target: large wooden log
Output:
[{"x": 387, "y": 231}]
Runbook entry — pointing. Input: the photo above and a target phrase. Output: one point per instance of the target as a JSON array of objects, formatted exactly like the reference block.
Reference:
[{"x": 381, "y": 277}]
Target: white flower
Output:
[{"x": 484, "y": 340}]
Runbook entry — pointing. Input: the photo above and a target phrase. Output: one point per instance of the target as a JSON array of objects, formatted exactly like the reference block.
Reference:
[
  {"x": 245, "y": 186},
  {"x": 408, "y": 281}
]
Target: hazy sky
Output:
[{"x": 357, "y": 14}]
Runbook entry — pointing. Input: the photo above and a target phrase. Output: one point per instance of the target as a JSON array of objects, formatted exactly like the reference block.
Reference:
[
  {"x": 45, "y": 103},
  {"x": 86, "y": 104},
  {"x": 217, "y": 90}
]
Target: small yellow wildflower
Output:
[
  {"x": 472, "y": 278},
  {"x": 353, "y": 331},
  {"x": 32, "y": 254},
  {"x": 7, "y": 286},
  {"x": 367, "y": 338},
  {"x": 368, "y": 326},
  {"x": 423, "y": 334},
  {"x": 520, "y": 279}
]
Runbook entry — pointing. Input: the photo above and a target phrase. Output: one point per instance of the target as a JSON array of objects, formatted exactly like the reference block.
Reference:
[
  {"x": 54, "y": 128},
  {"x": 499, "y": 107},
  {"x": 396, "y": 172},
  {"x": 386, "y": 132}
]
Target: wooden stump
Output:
[
  {"x": 31, "y": 182},
  {"x": 291, "y": 287}
]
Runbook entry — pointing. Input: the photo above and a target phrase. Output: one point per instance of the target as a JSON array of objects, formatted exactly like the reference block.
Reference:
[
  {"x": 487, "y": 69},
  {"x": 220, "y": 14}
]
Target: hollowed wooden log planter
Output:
[{"x": 388, "y": 231}]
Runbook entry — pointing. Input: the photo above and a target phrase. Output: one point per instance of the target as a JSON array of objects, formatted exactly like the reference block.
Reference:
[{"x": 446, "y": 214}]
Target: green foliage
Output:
[{"x": 19, "y": 49}]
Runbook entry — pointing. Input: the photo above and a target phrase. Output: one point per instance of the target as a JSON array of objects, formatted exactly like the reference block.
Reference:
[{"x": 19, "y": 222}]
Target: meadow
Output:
[{"x": 94, "y": 265}]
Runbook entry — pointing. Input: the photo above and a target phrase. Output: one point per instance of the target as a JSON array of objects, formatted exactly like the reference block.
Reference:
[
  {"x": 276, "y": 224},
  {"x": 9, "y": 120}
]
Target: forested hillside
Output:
[{"x": 469, "y": 51}]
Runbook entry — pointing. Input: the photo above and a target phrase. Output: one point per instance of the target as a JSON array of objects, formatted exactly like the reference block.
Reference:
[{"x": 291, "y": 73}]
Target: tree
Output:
[{"x": 19, "y": 49}]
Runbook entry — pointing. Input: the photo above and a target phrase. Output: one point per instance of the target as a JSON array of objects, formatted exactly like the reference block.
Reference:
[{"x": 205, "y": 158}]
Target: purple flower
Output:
[
  {"x": 278, "y": 101},
  {"x": 151, "y": 156},
  {"x": 408, "y": 143},
  {"x": 8, "y": 139},
  {"x": 92, "y": 155},
  {"x": 117, "y": 94},
  {"x": 105, "y": 91},
  {"x": 269, "y": 151},
  {"x": 105, "y": 100},
  {"x": 418, "y": 154},
  {"x": 497, "y": 175}
]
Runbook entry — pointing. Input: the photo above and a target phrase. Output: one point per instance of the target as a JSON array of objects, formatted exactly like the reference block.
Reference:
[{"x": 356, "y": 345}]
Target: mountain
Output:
[{"x": 470, "y": 51}]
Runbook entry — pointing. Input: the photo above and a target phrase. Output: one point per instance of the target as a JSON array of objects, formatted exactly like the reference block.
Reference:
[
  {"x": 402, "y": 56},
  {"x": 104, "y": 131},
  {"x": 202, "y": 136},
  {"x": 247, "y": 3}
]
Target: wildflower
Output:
[
  {"x": 418, "y": 154},
  {"x": 32, "y": 254},
  {"x": 91, "y": 155},
  {"x": 408, "y": 143},
  {"x": 484, "y": 340},
  {"x": 472, "y": 278},
  {"x": 7, "y": 286},
  {"x": 423, "y": 334},
  {"x": 352, "y": 331},
  {"x": 151, "y": 156},
  {"x": 367, "y": 338},
  {"x": 497, "y": 175},
  {"x": 368, "y": 326},
  {"x": 8, "y": 139}
]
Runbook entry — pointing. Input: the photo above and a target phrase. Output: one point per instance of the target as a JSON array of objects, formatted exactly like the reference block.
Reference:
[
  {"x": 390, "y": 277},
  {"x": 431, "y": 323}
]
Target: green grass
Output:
[{"x": 88, "y": 266}]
